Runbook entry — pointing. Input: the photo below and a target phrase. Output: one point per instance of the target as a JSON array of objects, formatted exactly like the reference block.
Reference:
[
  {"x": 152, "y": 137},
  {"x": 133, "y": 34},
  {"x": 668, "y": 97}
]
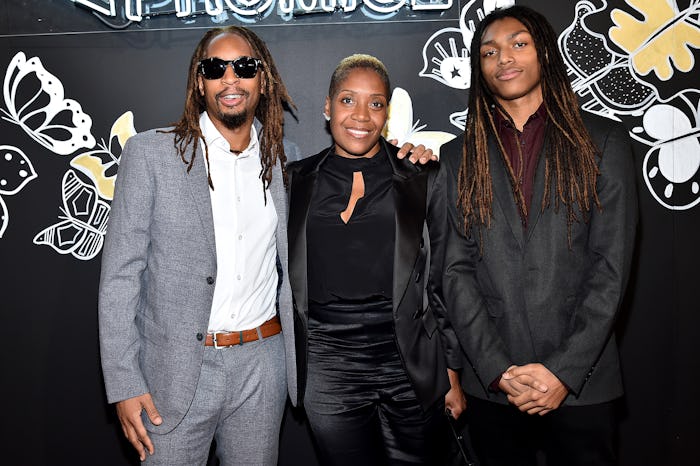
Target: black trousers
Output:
[
  {"x": 568, "y": 436},
  {"x": 359, "y": 401}
]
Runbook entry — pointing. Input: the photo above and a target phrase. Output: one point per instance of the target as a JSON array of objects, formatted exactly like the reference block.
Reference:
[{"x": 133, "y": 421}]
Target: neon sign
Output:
[{"x": 138, "y": 10}]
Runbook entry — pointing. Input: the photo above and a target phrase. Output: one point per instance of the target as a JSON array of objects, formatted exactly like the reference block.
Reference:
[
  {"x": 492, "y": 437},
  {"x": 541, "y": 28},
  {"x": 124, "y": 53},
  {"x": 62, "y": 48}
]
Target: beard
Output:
[{"x": 233, "y": 120}]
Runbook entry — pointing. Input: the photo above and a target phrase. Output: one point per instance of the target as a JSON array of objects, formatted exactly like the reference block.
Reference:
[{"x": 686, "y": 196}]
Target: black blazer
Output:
[
  {"x": 419, "y": 343},
  {"x": 516, "y": 295}
]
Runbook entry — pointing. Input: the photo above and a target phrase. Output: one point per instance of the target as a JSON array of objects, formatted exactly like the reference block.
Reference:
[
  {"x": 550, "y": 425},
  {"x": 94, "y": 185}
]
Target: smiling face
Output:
[
  {"x": 509, "y": 64},
  {"x": 230, "y": 101},
  {"x": 358, "y": 112}
]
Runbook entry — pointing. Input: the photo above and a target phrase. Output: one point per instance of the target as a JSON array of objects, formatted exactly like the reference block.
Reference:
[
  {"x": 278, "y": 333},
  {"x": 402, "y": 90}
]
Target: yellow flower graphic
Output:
[
  {"x": 664, "y": 36},
  {"x": 95, "y": 164}
]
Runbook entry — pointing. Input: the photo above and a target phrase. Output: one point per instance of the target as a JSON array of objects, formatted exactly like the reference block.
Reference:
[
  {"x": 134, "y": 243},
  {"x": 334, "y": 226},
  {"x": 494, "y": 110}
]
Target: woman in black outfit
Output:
[{"x": 372, "y": 371}]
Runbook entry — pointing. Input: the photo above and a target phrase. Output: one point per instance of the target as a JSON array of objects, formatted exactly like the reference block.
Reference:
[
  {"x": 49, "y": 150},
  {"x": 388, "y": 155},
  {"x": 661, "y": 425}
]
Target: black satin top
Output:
[{"x": 353, "y": 262}]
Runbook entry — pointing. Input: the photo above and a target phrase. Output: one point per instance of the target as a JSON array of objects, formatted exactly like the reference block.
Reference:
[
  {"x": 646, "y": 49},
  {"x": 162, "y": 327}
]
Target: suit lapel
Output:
[
  {"x": 535, "y": 211},
  {"x": 278, "y": 196},
  {"x": 301, "y": 188},
  {"x": 197, "y": 181},
  {"x": 503, "y": 190},
  {"x": 409, "y": 191}
]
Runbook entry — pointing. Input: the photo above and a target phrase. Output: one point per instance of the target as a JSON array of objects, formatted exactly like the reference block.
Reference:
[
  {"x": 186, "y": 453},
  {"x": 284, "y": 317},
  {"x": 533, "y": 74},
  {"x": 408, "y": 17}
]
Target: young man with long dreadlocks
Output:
[
  {"x": 542, "y": 209},
  {"x": 195, "y": 260}
]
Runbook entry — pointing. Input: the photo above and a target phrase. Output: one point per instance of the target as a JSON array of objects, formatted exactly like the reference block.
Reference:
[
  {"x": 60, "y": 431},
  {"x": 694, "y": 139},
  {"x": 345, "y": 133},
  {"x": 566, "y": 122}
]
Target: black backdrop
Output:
[{"x": 54, "y": 408}]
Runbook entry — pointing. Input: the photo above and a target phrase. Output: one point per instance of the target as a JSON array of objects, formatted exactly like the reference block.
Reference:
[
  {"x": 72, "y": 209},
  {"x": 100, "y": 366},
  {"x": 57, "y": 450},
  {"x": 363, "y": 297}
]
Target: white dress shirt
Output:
[{"x": 245, "y": 230}]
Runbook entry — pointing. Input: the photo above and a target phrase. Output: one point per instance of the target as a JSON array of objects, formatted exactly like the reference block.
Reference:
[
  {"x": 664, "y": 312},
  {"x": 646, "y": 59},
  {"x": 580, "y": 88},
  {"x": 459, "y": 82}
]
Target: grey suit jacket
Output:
[
  {"x": 519, "y": 295},
  {"x": 158, "y": 275}
]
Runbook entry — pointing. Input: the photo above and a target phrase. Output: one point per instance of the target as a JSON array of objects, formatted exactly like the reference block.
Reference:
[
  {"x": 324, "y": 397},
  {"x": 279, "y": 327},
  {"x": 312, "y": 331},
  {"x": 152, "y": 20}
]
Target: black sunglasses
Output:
[{"x": 215, "y": 68}]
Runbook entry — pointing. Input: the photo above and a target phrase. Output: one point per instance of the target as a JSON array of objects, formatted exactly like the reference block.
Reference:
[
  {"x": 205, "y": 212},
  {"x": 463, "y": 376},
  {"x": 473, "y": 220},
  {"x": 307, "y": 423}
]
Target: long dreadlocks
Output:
[
  {"x": 270, "y": 110},
  {"x": 570, "y": 155}
]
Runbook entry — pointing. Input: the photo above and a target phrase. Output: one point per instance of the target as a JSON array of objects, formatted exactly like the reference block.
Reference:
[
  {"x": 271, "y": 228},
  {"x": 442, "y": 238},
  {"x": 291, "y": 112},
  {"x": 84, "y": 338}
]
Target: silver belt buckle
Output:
[{"x": 216, "y": 346}]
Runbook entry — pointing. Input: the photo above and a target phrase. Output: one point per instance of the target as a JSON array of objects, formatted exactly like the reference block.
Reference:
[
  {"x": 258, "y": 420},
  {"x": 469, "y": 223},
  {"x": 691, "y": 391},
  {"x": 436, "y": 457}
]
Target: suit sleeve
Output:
[
  {"x": 291, "y": 151},
  {"x": 458, "y": 291},
  {"x": 611, "y": 233},
  {"x": 436, "y": 219},
  {"x": 123, "y": 267}
]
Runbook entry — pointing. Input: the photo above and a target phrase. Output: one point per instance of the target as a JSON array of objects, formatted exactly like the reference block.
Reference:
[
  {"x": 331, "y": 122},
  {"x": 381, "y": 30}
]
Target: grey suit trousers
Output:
[{"x": 239, "y": 401}]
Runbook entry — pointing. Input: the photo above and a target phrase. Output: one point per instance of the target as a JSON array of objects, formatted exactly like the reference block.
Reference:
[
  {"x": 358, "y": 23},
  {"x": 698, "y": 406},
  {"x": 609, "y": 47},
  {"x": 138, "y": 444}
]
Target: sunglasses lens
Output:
[
  {"x": 245, "y": 67},
  {"x": 212, "y": 68},
  {"x": 215, "y": 68}
]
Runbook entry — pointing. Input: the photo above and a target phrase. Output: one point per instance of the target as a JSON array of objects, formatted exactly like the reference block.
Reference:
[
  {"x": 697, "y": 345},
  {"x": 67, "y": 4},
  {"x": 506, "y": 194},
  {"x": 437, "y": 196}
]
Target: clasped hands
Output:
[{"x": 533, "y": 388}]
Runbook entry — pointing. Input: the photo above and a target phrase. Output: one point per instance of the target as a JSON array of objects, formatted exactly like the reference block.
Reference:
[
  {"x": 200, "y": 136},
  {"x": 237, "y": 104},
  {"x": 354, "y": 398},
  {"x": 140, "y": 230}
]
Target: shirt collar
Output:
[{"x": 503, "y": 121}]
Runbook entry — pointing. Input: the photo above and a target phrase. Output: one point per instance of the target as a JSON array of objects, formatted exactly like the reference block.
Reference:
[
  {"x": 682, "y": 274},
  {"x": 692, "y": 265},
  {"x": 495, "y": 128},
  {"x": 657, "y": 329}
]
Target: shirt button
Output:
[
  {"x": 233, "y": 316},
  {"x": 200, "y": 337},
  {"x": 210, "y": 280},
  {"x": 240, "y": 237},
  {"x": 238, "y": 277}
]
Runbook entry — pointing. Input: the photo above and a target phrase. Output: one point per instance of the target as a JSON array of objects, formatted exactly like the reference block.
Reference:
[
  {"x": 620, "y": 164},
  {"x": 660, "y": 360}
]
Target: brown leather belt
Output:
[{"x": 226, "y": 339}]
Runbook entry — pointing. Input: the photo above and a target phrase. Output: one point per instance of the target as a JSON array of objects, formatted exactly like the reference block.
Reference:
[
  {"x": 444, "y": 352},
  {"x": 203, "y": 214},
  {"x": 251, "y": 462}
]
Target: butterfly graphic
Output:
[
  {"x": 35, "y": 101},
  {"x": 83, "y": 221},
  {"x": 400, "y": 124},
  {"x": 16, "y": 170}
]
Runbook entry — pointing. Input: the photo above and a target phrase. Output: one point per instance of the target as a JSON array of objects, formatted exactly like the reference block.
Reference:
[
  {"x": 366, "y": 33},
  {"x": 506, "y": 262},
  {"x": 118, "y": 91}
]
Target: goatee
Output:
[{"x": 234, "y": 121}]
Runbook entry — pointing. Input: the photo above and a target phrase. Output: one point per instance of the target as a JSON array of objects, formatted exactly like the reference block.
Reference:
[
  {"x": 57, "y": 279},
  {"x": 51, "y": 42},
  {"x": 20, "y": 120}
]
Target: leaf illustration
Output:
[{"x": 662, "y": 40}]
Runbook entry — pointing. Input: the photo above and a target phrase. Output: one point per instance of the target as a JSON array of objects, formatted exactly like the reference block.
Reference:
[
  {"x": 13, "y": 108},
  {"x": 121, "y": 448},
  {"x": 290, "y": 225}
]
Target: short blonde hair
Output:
[{"x": 358, "y": 60}]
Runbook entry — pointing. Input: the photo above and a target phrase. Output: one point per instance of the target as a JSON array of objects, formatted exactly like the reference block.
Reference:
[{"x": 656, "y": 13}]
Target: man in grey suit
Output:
[
  {"x": 195, "y": 308},
  {"x": 542, "y": 210}
]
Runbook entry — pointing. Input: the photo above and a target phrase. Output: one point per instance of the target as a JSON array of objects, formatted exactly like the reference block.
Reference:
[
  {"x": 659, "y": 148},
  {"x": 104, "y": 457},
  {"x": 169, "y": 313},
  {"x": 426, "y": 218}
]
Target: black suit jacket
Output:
[
  {"x": 416, "y": 324},
  {"x": 519, "y": 295}
]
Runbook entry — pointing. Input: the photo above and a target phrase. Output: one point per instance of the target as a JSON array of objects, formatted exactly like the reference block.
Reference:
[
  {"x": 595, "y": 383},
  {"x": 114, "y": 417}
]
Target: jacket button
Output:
[
  {"x": 418, "y": 277},
  {"x": 200, "y": 337},
  {"x": 418, "y": 313},
  {"x": 210, "y": 280}
]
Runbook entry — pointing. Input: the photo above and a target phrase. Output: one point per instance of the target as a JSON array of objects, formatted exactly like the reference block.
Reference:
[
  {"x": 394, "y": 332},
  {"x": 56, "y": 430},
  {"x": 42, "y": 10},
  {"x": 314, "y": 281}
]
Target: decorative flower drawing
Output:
[
  {"x": 400, "y": 124},
  {"x": 660, "y": 41},
  {"x": 98, "y": 163}
]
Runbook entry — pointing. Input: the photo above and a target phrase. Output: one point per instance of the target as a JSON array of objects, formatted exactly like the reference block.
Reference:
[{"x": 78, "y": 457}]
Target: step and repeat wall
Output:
[{"x": 80, "y": 77}]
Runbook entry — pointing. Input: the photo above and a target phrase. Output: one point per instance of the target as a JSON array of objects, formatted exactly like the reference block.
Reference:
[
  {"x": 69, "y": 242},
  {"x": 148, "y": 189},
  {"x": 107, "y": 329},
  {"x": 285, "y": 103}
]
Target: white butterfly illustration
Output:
[
  {"x": 83, "y": 223},
  {"x": 16, "y": 170},
  {"x": 400, "y": 124},
  {"x": 35, "y": 101}
]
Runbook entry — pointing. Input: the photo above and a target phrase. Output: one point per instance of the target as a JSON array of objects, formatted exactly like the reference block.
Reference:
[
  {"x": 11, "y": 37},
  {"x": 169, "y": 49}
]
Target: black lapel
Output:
[
  {"x": 301, "y": 187},
  {"x": 410, "y": 191},
  {"x": 503, "y": 190},
  {"x": 535, "y": 211}
]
